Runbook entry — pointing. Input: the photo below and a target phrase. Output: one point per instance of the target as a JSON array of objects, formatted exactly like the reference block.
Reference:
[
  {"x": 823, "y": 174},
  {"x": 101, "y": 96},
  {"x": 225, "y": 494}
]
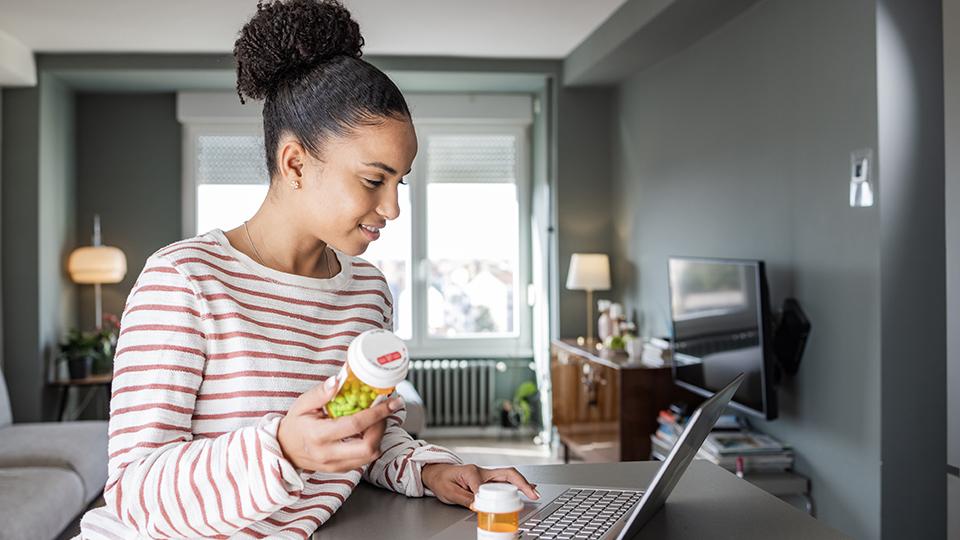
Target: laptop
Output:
[{"x": 606, "y": 513}]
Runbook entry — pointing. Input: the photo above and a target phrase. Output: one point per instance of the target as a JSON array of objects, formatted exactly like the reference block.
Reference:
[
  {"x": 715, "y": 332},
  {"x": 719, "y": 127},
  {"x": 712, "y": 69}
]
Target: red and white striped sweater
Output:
[{"x": 213, "y": 350}]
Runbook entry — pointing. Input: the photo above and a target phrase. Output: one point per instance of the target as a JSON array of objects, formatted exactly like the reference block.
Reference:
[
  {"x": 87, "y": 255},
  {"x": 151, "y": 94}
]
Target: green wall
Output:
[
  {"x": 57, "y": 214},
  {"x": 910, "y": 133},
  {"x": 23, "y": 367},
  {"x": 738, "y": 147},
  {"x": 128, "y": 171},
  {"x": 37, "y": 227},
  {"x": 584, "y": 197},
  {"x": 1, "y": 224},
  {"x": 951, "y": 75}
]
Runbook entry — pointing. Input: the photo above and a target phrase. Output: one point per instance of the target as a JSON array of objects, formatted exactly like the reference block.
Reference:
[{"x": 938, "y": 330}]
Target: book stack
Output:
[{"x": 759, "y": 452}]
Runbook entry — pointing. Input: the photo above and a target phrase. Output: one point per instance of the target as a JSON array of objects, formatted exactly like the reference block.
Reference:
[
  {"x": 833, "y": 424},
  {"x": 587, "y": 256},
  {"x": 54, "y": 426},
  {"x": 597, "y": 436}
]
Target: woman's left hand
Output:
[{"x": 458, "y": 484}]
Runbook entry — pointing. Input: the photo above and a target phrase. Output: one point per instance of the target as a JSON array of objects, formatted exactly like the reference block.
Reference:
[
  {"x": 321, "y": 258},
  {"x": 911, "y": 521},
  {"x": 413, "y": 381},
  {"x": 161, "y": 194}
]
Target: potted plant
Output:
[
  {"x": 90, "y": 352},
  {"x": 520, "y": 410},
  {"x": 79, "y": 352},
  {"x": 526, "y": 401},
  {"x": 107, "y": 338}
]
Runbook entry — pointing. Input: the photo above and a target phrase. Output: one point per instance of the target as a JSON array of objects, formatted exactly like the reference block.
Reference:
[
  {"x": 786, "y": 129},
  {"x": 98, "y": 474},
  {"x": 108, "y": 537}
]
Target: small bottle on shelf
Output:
[
  {"x": 604, "y": 324},
  {"x": 616, "y": 318}
]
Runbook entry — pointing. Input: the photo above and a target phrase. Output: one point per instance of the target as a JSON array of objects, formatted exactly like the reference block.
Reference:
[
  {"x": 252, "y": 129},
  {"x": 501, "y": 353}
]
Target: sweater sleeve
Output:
[
  {"x": 402, "y": 458},
  {"x": 162, "y": 481}
]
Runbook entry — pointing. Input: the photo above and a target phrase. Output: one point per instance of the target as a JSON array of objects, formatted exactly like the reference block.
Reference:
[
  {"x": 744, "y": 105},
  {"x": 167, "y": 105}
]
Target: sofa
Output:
[{"x": 49, "y": 473}]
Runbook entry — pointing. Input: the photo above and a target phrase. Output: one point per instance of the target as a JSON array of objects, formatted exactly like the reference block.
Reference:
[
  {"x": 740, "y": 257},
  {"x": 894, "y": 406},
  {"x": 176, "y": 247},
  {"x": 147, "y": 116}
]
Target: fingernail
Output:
[
  {"x": 395, "y": 404},
  {"x": 330, "y": 383},
  {"x": 537, "y": 493}
]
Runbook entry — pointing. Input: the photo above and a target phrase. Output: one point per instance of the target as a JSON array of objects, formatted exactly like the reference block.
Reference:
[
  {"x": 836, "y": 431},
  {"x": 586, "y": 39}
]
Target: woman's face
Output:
[{"x": 350, "y": 193}]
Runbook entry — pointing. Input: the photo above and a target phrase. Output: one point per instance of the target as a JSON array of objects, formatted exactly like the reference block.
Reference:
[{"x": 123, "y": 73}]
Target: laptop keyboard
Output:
[{"x": 579, "y": 514}]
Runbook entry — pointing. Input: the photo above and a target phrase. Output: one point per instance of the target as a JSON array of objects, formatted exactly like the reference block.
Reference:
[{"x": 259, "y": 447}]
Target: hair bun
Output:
[{"x": 288, "y": 38}]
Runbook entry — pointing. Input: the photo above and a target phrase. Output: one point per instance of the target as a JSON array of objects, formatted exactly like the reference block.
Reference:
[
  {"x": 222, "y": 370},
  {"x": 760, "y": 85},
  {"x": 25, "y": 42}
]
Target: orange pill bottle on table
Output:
[
  {"x": 377, "y": 361},
  {"x": 498, "y": 512}
]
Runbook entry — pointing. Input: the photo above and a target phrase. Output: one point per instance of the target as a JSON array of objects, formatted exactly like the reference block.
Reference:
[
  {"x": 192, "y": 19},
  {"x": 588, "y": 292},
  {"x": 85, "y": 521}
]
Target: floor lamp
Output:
[
  {"x": 589, "y": 272},
  {"x": 97, "y": 264}
]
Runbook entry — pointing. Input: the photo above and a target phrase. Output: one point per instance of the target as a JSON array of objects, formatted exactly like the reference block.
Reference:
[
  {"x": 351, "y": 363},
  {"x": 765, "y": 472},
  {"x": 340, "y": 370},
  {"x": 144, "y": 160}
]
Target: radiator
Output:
[{"x": 456, "y": 392}]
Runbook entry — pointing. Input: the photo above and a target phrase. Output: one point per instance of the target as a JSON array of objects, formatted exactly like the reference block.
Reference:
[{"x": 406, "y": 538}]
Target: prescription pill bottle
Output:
[
  {"x": 498, "y": 512},
  {"x": 377, "y": 361}
]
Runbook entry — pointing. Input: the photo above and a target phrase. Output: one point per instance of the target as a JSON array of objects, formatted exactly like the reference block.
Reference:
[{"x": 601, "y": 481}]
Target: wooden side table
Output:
[
  {"x": 605, "y": 404},
  {"x": 92, "y": 383}
]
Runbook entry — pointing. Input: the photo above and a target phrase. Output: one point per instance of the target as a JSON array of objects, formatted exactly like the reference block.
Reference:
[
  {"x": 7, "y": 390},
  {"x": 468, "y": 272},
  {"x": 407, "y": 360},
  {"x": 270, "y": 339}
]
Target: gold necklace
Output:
[
  {"x": 326, "y": 261},
  {"x": 254, "y": 246}
]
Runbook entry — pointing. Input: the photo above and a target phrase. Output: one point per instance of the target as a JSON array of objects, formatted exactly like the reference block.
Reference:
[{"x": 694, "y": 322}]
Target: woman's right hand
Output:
[{"x": 312, "y": 441}]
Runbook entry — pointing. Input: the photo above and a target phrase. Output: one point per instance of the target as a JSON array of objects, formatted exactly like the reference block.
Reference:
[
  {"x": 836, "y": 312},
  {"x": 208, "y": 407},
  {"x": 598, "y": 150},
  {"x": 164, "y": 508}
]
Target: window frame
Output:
[{"x": 421, "y": 344}]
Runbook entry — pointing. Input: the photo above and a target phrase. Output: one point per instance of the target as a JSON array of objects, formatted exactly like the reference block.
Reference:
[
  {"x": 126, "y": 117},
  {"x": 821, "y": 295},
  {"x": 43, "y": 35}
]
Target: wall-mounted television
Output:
[{"x": 719, "y": 310}]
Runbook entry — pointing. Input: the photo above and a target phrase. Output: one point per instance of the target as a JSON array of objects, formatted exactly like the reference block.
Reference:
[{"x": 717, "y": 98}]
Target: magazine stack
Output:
[{"x": 735, "y": 450}]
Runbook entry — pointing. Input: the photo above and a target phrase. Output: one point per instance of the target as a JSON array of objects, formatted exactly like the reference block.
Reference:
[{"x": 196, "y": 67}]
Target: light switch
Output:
[{"x": 861, "y": 178}]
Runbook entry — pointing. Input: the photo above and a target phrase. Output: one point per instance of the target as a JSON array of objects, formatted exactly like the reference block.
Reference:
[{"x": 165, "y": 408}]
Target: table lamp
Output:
[
  {"x": 95, "y": 265},
  {"x": 589, "y": 272}
]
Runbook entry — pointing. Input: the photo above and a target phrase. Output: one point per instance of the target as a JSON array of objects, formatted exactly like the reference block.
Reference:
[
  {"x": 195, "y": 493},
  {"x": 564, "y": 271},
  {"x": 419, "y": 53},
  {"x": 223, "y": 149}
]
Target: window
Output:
[
  {"x": 472, "y": 235},
  {"x": 458, "y": 270},
  {"x": 227, "y": 176}
]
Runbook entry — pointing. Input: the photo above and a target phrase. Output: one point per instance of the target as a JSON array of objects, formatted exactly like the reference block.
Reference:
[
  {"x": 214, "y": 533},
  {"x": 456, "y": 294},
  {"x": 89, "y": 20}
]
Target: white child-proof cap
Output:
[
  {"x": 497, "y": 498},
  {"x": 378, "y": 358}
]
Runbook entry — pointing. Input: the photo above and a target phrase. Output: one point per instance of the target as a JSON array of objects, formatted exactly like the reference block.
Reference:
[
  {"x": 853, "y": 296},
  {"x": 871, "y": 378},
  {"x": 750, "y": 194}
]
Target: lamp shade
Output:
[
  {"x": 589, "y": 272},
  {"x": 97, "y": 264}
]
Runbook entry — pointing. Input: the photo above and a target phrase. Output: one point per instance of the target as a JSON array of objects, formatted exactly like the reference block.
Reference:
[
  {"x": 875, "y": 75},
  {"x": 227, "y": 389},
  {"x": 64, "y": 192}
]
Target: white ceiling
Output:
[{"x": 474, "y": 28}]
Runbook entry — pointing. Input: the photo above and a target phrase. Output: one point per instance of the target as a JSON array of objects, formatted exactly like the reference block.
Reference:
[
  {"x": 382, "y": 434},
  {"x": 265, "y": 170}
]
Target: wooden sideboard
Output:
[{"x": 605, "y": 404}]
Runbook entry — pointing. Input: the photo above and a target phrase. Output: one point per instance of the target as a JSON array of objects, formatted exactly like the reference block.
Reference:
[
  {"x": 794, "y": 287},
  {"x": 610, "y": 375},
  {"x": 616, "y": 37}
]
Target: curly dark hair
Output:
[{"x": 302, "y": 57}]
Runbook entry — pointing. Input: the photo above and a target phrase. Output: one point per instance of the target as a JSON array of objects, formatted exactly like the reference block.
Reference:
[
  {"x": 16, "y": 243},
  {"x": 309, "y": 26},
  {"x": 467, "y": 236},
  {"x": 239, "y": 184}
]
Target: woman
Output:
[{"x": 227, "y": 338}]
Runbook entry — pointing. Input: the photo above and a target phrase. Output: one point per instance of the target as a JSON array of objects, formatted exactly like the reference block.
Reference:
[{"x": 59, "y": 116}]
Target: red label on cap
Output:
[{"x": 389, "y": 357}]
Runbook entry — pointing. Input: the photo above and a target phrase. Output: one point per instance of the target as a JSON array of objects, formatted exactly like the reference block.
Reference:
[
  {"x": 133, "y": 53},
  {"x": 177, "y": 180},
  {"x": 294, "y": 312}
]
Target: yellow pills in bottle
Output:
[{"x": 377, "y": 361}]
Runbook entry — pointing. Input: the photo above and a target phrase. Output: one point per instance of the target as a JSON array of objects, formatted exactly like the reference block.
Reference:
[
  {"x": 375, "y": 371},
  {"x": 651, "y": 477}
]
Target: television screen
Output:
[{"x": 720, "y": 314}]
